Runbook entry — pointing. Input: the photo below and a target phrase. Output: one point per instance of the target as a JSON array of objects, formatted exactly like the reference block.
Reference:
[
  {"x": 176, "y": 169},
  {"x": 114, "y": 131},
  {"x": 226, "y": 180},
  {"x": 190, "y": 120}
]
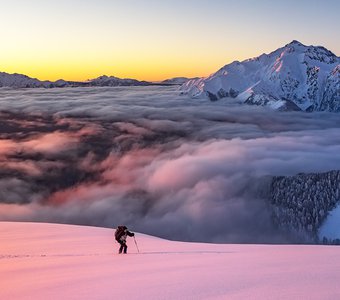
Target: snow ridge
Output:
[{"x": 294, "y": 77}]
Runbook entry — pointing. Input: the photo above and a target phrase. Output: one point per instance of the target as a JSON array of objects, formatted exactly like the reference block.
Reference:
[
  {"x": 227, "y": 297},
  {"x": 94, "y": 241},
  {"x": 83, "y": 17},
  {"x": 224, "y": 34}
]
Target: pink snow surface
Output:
[{"x": 49, "y": 261}]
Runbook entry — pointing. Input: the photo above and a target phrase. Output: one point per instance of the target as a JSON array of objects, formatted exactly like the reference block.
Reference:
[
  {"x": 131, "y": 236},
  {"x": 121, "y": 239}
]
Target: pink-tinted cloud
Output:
[
  {"x": 50, "y": 142},
  {"x": 28, "y": 167},
  {"x": 7, "y": 146},
  {"x": 161, "y": 163}
]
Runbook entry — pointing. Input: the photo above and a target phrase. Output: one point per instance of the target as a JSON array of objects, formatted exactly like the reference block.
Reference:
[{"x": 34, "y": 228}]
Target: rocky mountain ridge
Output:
[{"x": 293, "y": 77}]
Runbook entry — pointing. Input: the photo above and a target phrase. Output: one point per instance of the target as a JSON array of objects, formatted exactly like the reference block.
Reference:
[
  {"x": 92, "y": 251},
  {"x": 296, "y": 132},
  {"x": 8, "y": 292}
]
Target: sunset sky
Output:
[{"x": 152, "y": 39}]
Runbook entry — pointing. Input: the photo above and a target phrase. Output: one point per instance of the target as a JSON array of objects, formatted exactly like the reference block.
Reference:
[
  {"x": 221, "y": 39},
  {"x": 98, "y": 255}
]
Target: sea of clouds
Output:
[{"x": 153, "y": 159}]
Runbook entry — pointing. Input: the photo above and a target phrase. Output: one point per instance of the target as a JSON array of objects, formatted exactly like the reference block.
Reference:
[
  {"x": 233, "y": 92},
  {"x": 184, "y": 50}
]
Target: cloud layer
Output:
[{"x": 154, "y": 160}]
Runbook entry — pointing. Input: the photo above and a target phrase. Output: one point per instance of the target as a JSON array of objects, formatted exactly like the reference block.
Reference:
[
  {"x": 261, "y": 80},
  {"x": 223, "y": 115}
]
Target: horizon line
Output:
[{"x": 162, "y": 78}]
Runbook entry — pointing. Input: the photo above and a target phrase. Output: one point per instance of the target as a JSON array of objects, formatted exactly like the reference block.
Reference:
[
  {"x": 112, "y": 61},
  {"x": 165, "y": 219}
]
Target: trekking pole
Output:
[{"x": 136, "y": 243}]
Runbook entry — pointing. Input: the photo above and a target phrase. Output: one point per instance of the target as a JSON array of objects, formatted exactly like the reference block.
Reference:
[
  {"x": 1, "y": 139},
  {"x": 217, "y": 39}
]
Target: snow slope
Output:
[
  {"x": 48, "y": 261},
  {"x": 331, "y": 227},
  {"x": 294, "y": 77}
]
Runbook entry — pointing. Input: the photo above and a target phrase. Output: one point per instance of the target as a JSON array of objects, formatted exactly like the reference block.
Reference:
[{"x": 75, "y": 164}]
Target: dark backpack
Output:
[{"x": 120, "y": 232}]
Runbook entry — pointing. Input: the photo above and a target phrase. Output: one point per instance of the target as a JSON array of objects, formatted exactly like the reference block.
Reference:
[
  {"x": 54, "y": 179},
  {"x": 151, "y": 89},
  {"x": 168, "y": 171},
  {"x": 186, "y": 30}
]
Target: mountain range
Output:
[
  {"x": 23, "y": 81},
  {"x": 293, "y": 77}
]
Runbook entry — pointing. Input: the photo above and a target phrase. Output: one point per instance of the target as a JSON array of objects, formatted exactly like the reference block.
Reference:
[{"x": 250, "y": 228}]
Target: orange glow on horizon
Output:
[{"x": 77, "y": 70}]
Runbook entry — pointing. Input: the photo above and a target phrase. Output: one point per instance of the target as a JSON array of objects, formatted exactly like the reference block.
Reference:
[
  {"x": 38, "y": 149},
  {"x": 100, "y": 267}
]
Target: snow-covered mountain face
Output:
[
  {"x": 23, "y": 81},
  {"x": 294, "y": 77}
]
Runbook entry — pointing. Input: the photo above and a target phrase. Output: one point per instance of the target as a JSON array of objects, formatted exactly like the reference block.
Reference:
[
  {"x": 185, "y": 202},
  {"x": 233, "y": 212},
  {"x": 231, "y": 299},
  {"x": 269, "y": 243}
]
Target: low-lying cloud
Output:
[{"x": 159, "y": 162}]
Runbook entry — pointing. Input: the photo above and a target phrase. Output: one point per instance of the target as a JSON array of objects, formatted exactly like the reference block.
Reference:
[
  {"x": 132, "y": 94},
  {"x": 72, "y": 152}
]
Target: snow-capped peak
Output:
[
  {"x": 295, "y": 76},
  {"x": 295, "y": 42}
]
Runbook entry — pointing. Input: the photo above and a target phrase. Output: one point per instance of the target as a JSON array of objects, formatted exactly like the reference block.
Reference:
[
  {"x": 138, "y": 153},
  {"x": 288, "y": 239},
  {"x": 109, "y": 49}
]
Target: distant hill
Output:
[{"x": 177, "y": 80}]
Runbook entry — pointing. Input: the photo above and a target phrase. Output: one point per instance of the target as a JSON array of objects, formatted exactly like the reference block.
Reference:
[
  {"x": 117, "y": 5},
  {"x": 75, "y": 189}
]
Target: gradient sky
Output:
[{"x": 153, "y": 39}]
